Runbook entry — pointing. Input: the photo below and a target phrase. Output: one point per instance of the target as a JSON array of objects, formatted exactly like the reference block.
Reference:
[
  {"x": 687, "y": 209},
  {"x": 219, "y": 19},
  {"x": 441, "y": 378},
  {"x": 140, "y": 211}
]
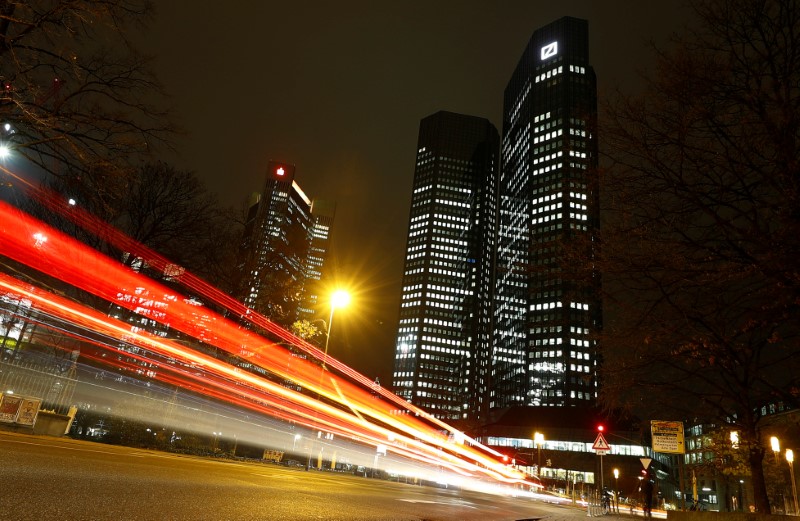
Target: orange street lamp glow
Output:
[{"x": 339, "y": 299}]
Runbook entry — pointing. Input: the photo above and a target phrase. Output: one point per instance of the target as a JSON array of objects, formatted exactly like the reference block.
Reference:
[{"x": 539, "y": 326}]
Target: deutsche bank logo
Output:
[{"x": 549, "y": 50}]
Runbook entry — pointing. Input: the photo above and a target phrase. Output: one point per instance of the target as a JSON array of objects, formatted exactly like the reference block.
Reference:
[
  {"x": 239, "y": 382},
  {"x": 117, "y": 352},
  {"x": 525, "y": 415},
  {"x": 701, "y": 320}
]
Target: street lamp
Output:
[
  {"x": 616, "y": 487},
  {"x": 790, "y": 460},
  {"x": 776, "y": 447},
  {"x": 538, "y": 440},
  {"x": 339, "y": 299}
]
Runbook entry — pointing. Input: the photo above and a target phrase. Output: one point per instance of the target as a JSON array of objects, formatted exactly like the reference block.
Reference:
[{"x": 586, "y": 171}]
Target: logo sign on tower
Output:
[{"x": 549, "y": 50}]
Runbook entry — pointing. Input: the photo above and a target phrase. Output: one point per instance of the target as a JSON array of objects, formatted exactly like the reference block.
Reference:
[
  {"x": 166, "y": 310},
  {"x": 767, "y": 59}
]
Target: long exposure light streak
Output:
[
  {"x": 92, "y": 224},
  {"x": 214, "y": 383},
  {"x": 48, "y": 251}
]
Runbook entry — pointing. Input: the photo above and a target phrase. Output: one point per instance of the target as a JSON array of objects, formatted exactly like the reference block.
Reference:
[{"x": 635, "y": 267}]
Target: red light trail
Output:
[{"x": 353, "y": 410}]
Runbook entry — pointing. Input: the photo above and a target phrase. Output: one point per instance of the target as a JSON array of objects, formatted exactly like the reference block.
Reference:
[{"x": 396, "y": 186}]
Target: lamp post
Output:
[
  {"x": 616, "y": 488},
  {"x": 339, "y": 299},
  {"x": 538, "y": 440},
  {"x": 776, "y": 447},
  {"x": 790, "y": 460}
]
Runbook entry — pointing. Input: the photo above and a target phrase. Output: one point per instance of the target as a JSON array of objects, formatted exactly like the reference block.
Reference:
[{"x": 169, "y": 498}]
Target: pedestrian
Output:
[{"x": 647, "y": 490}]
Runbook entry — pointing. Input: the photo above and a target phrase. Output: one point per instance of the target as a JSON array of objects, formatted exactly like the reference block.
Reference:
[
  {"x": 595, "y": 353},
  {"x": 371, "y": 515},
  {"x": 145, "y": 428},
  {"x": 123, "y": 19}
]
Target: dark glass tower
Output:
[
  {"x": 284, "y": 247},
  {"x": 444, "y": 335},
  {"x": 545, "y": 317}
]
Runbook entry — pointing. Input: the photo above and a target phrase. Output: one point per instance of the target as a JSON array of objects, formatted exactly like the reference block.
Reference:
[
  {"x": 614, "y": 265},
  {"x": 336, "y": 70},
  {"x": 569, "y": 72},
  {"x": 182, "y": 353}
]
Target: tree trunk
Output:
[{"x": 760, "y": 497}]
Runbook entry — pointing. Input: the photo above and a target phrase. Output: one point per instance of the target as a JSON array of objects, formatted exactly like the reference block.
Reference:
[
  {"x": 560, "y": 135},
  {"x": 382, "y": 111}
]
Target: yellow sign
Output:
[{"x": 667, "y": 437}]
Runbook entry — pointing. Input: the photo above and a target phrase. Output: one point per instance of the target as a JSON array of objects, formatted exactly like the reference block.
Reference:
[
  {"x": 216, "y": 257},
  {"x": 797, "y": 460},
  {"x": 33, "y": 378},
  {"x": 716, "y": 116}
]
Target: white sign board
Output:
[{"x": 667, "y": 437}]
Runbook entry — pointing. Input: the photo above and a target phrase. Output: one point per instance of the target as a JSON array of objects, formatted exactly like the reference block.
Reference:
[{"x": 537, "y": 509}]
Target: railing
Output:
[{"x": 53, "y": 382}]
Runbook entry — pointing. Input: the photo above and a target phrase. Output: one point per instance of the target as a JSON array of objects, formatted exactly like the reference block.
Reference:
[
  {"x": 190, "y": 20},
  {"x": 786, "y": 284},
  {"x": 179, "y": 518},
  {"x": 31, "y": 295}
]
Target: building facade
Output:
[
  {"x": 444, "y": 333},
  {"x": 284, "y": 246},
  {"x": 547, "y": 303}
]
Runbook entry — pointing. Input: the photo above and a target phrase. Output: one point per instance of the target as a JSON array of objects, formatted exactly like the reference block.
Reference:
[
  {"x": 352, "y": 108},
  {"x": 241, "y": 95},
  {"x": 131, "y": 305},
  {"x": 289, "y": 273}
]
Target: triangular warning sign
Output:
[{"x": 600, "y": 443}]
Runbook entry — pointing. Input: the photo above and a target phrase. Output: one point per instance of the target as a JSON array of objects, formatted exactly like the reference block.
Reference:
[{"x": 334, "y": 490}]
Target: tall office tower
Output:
[
  {"x": 444, "y": 335},
  {"x": 284, "y": 247},
  {"x": 544, "y": 352}
]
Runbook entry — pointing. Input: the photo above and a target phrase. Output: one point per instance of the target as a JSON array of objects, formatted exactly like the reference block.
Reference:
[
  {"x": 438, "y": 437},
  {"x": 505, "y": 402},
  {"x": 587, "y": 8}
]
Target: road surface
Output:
[{"x": 45, "y": 478}]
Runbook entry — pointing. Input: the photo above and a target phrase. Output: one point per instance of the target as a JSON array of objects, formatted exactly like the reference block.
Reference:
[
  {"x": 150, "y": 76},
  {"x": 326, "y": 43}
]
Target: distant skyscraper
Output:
[
  {"x": 284, "y": 248},
  {"x": 444, "y": 335},
  {"x": 544, "y": 351}
]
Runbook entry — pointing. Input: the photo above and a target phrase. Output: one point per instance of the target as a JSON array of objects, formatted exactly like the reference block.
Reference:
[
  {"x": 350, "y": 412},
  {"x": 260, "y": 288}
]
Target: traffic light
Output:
[{"x": 600, "y": 428}]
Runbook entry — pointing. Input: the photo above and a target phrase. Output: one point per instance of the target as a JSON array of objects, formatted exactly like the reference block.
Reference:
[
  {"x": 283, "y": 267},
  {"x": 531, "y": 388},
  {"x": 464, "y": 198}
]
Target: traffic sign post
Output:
[
  {"x": 602, "y": 447},
  {"x": 600, "y": 444}
]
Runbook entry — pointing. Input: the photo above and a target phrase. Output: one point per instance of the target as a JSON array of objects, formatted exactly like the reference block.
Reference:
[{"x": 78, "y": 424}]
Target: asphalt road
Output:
[{"x": 44, "y": 478}]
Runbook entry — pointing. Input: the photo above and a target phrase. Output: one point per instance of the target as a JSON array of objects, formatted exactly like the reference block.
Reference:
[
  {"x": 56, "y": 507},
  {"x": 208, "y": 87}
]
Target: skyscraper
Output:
[
  {"x": 444, "y": 334},
  {"x": 284, "y": 247},
  {"x": 545, "y": 318}
]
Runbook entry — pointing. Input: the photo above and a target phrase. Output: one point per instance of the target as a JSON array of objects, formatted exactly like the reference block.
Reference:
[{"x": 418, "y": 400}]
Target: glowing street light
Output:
[
  {"x": 339, "y": 299},
  {"x": 790, "y": 460},
  {"x": 5, "y": 151},
  {"x": 538, "y": 440},
  {"x": 616, "y": 488},
  {"x": 776, "y": 447}
]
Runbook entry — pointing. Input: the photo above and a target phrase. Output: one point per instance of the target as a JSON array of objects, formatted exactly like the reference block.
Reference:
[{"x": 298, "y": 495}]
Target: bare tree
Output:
[
  {"x": 76, "y": 96},
  {"x": 701, "y": 237}
]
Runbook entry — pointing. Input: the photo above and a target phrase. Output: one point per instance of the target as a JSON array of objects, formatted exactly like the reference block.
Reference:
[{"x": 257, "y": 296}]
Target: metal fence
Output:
[{"x": 51, "y": 380}]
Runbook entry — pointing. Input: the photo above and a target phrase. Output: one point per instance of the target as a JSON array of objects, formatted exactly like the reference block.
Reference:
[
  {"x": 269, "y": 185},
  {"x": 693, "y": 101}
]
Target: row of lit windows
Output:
[
  {"x": 547, "y": 367},
  {"x": 556, "y": 445},
  {"x": 549, "y": 74},
  {"x": 452, "y": 203},
  {"x": 520, "y": 100},
  {"x": 441, "y": 221},
  {"x": 422, "y": 189},
  {"x": 546, "y": 305},
  {"x": 548, "y": 168},
  {"x": 542, "y": 159},
  {"x": 548, "y": 136},
  {"x": 442, "y": 340},
  {"x": 549, "y": 208}
]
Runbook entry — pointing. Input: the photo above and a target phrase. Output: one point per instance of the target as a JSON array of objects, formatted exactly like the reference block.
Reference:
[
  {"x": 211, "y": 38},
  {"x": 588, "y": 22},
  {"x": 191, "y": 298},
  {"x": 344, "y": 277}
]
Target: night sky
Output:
[{"x": 339, "y": 88}]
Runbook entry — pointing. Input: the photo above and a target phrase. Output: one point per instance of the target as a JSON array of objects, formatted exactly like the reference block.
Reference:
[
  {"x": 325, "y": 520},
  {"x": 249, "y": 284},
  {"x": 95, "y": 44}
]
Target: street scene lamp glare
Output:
[
  {"x": 538, "y": 440},
  {"x": 339, "y": 299},
  {"x": 5, "y": 151},
  {"x": 776, "y": 447},
  {"x": 790, "y": 460}
]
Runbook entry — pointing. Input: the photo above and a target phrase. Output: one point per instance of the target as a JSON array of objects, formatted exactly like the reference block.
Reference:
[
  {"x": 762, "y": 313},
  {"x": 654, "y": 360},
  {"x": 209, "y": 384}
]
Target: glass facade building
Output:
[
  {"x": 284, "y": 246},
  {"x": 545, "y": 316},
  {"x": 444, "y": 334}
]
